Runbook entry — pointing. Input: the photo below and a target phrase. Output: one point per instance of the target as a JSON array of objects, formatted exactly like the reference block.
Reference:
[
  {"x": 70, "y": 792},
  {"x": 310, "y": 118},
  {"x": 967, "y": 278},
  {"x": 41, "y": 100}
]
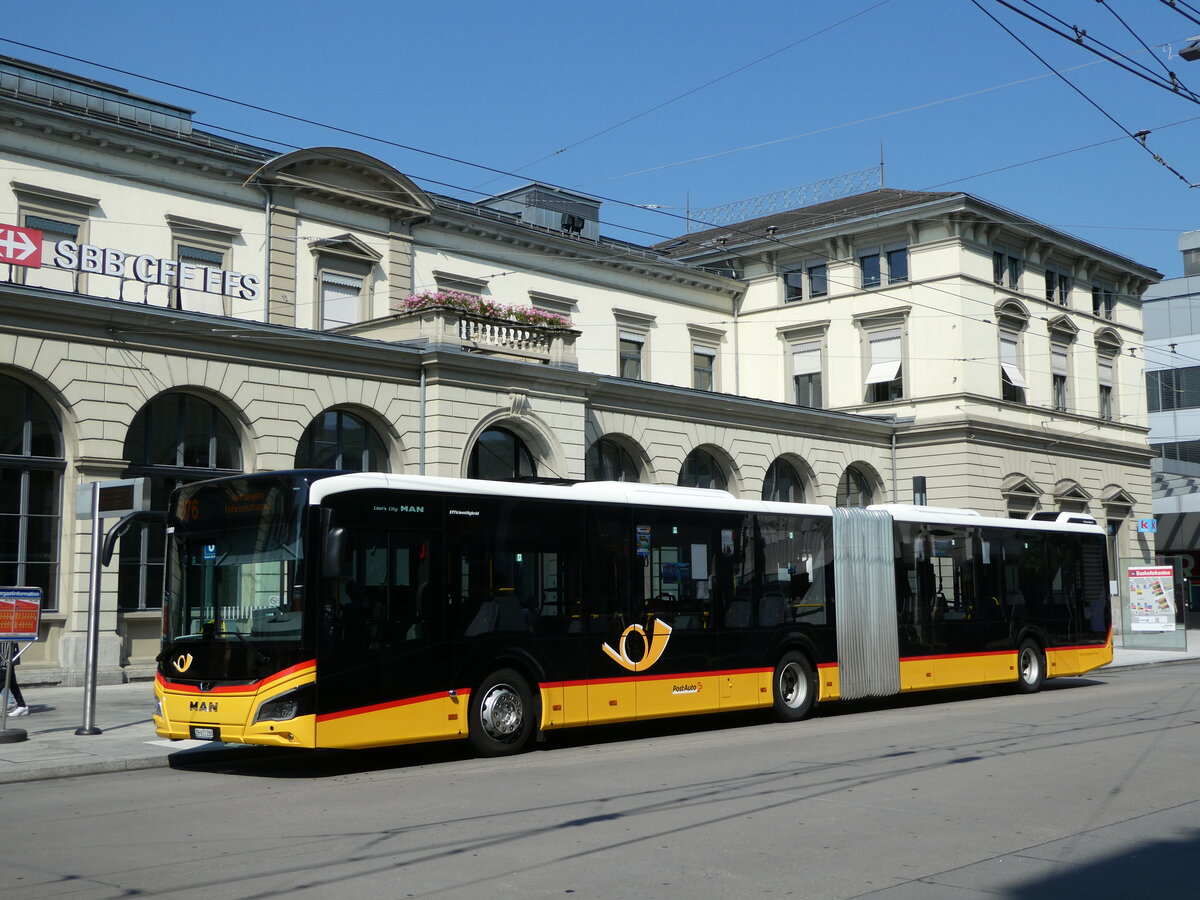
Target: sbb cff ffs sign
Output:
[{"x": 20, "y": 246}]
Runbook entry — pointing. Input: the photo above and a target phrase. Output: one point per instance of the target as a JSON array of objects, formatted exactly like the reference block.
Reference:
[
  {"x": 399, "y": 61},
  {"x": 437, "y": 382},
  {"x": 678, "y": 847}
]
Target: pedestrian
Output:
[{"x": 15, "y": 699}]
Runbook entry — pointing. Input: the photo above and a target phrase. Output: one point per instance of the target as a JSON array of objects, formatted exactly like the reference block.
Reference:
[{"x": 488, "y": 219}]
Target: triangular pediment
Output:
[
  {"x": 346, "y": 245},
  {"x": 1114, "y": 495},
  {"x": 1018, "y": 485},
  {"x": 1063, "y": 325},
  {"x": 1068, "y": 489}
]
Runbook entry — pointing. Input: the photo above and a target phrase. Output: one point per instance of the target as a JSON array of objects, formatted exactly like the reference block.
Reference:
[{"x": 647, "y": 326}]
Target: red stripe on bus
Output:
[
  {"x": 379, "y": 707},
  {"x": 297, "y": 669}
]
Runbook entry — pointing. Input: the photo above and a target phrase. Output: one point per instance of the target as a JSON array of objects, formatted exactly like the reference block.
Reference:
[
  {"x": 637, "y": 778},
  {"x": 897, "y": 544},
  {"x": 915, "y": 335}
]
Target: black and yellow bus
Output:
[{"x": 309, "y": 609}]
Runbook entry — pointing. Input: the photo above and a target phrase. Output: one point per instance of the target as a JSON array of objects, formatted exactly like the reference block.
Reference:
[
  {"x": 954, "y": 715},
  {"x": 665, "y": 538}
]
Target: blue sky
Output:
[{"x": 712, "y": 102}]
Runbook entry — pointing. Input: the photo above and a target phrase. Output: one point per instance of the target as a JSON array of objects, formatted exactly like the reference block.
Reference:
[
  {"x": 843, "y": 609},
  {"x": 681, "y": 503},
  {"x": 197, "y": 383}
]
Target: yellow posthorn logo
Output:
[
  {"x": 183, "y": 662},
  {"x": 654, "y": 646}
]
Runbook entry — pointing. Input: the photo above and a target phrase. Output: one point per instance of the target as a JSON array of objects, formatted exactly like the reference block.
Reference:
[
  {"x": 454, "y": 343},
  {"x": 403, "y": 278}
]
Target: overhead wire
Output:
[
  {"x": 697, "y": 89},
  {"x": 1080, "y": 37},
  {"x": 1170, "y": 75},
  {"x": 1139, "y": 138},
  {"x": 1175, "y": 4},
  {"x": 810, "y": 249}
]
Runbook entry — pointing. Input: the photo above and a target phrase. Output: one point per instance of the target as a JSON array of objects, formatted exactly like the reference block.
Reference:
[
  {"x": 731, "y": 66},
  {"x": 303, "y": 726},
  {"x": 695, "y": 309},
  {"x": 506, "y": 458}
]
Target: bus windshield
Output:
[{"x": 236, "y": 563}]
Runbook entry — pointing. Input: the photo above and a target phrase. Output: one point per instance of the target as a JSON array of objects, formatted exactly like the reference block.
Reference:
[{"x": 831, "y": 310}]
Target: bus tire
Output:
[
  {"x": 501, "y": 714},
  {"x": 1031, "y": 667},
  {"x": 794, "y": 688}
]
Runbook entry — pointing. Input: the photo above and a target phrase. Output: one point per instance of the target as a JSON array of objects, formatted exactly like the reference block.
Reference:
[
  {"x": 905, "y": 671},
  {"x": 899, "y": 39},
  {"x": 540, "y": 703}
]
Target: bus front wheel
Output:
[
  {"x": 501, "y": 721},
  {"x": 1031, "y": 668},
  {"x": 795, "y": 688}
]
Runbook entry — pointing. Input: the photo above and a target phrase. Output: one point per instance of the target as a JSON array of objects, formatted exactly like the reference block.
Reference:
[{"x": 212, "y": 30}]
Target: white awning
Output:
[
  {"x": 883, "y": 372},
  {"x": 1014, "y": 375}
]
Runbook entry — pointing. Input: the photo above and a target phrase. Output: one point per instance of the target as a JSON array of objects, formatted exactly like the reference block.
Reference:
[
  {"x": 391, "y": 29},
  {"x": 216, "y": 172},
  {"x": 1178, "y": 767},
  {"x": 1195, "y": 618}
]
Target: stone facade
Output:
[{"x": 289, "y": 313}]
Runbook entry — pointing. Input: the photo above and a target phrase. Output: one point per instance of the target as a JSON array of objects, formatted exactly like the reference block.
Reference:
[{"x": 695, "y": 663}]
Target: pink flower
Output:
[{"x": 483, "y": 306}]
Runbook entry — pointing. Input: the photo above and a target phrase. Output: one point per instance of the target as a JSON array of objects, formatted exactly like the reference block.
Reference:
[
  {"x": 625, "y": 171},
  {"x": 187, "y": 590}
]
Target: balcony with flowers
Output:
[{"x": 479, "y": 325}]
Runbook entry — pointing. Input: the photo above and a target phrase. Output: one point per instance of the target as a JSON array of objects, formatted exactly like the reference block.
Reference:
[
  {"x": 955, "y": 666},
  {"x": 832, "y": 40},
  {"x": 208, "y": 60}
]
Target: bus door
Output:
[
  {"x": 684, "y": 569},
  {"x": 514, "y": 579},
  {"x": 781, "y": 586},
  {"x": 383, "y": 670}
]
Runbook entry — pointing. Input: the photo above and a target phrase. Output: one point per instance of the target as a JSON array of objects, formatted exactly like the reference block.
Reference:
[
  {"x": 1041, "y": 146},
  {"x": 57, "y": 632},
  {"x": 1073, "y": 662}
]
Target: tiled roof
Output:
[{"x": 853, "y": 207}]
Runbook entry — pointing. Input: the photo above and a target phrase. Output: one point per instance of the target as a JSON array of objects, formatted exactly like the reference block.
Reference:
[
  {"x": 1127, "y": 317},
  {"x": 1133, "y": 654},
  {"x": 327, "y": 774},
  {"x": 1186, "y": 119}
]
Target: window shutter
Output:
[
  {"x": 806, "y": 358},
  {"x": 1058, "y": 359}
]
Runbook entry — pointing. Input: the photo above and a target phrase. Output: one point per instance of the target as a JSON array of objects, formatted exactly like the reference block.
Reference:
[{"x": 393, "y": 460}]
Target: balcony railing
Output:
[{"x": 446, "y": 327}]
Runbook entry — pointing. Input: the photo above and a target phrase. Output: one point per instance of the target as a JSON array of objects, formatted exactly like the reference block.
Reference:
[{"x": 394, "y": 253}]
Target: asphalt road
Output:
[{"x": 1091, "y": 788}]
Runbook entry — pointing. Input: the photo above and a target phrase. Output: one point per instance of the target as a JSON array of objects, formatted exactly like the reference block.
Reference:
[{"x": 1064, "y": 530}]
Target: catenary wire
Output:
[
  {"x": 697, "y": 89},
  {"x": 1135, "y": 138}
]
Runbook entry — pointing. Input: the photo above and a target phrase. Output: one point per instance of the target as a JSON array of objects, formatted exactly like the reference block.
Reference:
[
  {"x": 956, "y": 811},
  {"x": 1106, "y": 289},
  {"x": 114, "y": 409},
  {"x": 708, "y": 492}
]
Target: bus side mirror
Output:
[{"x": 335, "y": 549}]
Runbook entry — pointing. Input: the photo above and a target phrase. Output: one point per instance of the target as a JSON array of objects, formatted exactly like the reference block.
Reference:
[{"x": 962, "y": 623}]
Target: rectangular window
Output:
[
  {"x": 1104, "y": 300},
  {"x": 341, "y": 300},
  {"x": 806, "y": 374},
  {"x": 793, "y": 286},
  {"x": 1058, "y": 369},
  {"x": 704, "y": 360},
  {"x": 1006, "y": 268},
  {"x": 884, "y": 381},
  {"x": 1168, "y": 389},
  {"x": 631, "y": 346},
  {"x": 1012, "y": 381},
  {"x": 818, "y": 280},
  {"x": 1058, "y": 286},
  {"x": 868, "y": 264},
  {"x": 1105, "y": 379},
  {"x": 897, "y": 263}
]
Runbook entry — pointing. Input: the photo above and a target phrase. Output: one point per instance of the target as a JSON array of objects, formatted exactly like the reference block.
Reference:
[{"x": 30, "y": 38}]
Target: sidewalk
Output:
[{"x": 128, "y": 741}]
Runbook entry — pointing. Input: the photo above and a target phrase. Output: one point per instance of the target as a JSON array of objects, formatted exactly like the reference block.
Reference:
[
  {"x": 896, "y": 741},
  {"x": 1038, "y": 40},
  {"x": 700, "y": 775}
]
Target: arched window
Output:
[
  {"x": 31, "y": 467},
  {"x": 855, "y": 489},
  {"x": 609, "y": 461},
  {"x": 702, "y": 470},
  {"x": 783, "y": 483},
  {"x": 337, "y": 439},
  {"x": 174, "y": 440},
  {"x": 499, "y": 455}
]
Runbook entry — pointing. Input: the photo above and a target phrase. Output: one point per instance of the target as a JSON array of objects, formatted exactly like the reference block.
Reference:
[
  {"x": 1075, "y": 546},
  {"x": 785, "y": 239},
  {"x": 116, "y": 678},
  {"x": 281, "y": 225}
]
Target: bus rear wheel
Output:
[
  {"x": 1031, "y": 668},
  {"x": 501, "y": 714},
  {"x": 794, "y": 688}
]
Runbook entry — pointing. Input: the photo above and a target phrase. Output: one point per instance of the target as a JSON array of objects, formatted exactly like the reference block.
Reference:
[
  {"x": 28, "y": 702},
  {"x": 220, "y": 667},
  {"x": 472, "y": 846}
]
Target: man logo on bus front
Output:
[{"x": 654, "y": 646}]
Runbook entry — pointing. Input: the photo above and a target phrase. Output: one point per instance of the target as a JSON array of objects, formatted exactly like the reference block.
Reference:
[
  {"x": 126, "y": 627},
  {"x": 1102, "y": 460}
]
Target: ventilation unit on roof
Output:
[{"x": 551, "y": 208}]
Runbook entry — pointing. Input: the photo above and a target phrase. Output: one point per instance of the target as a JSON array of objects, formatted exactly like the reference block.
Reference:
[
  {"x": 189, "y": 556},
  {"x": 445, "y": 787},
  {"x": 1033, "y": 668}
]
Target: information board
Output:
[
  {"x": 20, "y": 613},
  {"x": 1152, "y": 598}
]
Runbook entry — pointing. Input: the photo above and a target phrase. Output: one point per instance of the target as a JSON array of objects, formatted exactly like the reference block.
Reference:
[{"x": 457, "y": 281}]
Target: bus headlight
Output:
[{"x": 289, "y": 705}]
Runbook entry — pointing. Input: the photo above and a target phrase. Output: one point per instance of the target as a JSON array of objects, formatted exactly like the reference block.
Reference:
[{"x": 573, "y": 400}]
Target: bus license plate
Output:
[{"x": 206, "y": 733}]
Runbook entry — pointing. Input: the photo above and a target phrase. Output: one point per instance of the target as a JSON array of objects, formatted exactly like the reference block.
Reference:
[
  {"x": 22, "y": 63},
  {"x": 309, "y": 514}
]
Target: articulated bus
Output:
[{"x": 340, "y": 610}]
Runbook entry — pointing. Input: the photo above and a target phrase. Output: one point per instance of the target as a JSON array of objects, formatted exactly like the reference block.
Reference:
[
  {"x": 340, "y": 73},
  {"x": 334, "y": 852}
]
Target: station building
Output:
[{"x": 197, "y": 306}]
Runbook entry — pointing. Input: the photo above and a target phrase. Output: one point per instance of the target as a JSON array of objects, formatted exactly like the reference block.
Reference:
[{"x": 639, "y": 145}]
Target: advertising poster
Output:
[{"x": 1152, "y": 598}]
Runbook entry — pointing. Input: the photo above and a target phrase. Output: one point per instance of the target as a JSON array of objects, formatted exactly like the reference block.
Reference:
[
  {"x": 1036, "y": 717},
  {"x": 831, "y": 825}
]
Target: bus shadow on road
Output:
[{"x": 283, "y": 763}]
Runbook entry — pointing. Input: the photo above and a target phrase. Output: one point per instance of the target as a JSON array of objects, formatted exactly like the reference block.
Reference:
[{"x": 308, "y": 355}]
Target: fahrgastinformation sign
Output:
[
  {"x": 1152, "y": 598},
  {"x": 23, "y": 247},
  {"x": 20, "y": 613}
]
